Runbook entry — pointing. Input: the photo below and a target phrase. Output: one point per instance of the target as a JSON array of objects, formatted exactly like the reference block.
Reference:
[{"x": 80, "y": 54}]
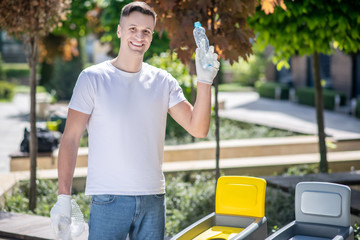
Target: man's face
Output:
[{"x": 136, "y": 31}]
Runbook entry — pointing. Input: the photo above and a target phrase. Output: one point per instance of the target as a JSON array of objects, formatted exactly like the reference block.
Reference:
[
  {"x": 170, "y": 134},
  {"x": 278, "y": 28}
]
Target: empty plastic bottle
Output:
[
  {"x": 202, "y": 42},
  {"x": 77, "y": 220}
]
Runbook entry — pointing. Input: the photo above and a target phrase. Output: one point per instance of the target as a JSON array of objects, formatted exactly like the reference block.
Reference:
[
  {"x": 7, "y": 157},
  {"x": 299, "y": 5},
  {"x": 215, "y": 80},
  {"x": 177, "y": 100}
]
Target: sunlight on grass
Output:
[
  {"x": 234, "y": 87},
  {"x": 26, "y": 89}
]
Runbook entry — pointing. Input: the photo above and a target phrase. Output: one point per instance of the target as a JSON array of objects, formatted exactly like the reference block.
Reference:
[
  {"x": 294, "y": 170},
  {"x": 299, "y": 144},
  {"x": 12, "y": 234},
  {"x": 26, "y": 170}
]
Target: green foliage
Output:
[
  {"x": 232, "y": 129},
  {"x": 189, "y": 197},
  {"x": 46, "y": 198},
  {"x": 2, "y": 71},
  {"x": 307, "y": 96},
  {"x": 233, "y": 87},
  {"x": 229, "y": 129},
  {"x": 64, "y": 77},
  {"x": 109, "y": 19},
  {"x": 16, "y": 70},
  {"x": 7, "y": 90},
  {"x": 268, "y": 89},
  {"x": 19, "y": 201},
  {"x": 279, "y": 208},
  {"x": 356, "y": 231},
  {"x": 247, "y": 73},
  {"x": 17, "y": 73},
  {"x": 357, "y": 111},
  {"x": 26, "y": 89},
  {"x": 307, "y": 26},
  {"x": 180, "y": 72},
  {"x": 77, "y": 22},
  {"x": 301, "y": 170},
  {"x": 172, "y": 65}
]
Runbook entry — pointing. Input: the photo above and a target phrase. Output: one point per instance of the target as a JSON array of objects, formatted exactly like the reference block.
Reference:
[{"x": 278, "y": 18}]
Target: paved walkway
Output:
[
  {"x": 14, "y": 117},
  {"x": 248, "y": 107}
]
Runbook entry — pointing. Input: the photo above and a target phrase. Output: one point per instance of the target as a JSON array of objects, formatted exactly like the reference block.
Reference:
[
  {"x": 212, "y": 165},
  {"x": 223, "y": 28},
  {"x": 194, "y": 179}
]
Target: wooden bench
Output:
[{"x": 20, "y": 161}]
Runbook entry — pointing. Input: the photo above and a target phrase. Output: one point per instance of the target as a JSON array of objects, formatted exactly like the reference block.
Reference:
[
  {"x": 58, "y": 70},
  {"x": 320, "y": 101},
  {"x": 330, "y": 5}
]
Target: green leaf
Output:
[{"x": 282, "y": 64}]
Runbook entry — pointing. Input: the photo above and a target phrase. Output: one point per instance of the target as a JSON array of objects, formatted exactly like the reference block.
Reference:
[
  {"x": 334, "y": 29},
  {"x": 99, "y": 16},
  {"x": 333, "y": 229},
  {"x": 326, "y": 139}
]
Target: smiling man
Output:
[{"x": 123, "y": 103}]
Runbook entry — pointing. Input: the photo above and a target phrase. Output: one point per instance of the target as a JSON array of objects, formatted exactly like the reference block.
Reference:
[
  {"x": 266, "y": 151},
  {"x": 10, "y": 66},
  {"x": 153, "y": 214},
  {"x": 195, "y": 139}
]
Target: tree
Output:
[
  {"x": 30, "y": 20},
  {"x": 62, "y": 53},
  {"x": 310, "y": 27},
  {"x": 228, "y": 31}
]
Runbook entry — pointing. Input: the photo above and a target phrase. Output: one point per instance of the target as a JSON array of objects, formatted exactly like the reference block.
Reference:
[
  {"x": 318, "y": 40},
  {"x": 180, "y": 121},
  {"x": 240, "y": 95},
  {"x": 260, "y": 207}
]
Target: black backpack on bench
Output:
[{"x": 46, "y": 141}]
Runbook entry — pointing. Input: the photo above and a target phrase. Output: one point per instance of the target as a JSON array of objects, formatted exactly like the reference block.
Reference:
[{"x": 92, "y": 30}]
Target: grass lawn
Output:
[
  {"x": 234, "y": 87},
  {"x": 26, "y": 89},
  {"x": 15, "y": 66}
]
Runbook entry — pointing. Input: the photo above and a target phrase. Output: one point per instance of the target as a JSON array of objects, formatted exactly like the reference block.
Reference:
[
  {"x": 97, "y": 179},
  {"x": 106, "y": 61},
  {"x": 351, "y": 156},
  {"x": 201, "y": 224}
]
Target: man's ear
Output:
[{"x": 118, "y": 32}]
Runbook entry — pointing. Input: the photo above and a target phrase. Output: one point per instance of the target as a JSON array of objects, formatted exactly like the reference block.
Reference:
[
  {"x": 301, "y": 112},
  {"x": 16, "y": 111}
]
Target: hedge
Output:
[
  {"x": 7, "y": 90},
  {"x": 268, "y": 89},
  {"x": 306, "y": 96}
]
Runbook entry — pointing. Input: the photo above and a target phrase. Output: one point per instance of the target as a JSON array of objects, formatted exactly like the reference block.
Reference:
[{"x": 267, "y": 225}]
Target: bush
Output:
[
  {"x": 306, "y": 96},
  {"x": 268, "y": 89},
  {"x": 17, "y": 73},
  {"x": 189, "y": 197},
  {"x": 356, "y": 231},
  {"x": 357, "y": 111},
  {"x": 248, "y": 72},
  {"x": 279, "y": 208},
  {"x": 64, "y": 76},
  {"x": 180, "y": 72},
  {"x": 46, "y": 198},
  {"x": 232, "y": 129},
  {"x": 301, "y": 170},
  {"x": 2, "y": 72},
  {"x": 16, "y": 70},
  {"x": 7, "y": 90}
]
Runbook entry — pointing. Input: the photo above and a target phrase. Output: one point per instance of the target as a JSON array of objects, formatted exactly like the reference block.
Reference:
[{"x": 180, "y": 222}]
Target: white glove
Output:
[
  {"x": 208, "y": 74},
  {"x": 60, "y": 215},
  {"x": 66, "y": 218}
]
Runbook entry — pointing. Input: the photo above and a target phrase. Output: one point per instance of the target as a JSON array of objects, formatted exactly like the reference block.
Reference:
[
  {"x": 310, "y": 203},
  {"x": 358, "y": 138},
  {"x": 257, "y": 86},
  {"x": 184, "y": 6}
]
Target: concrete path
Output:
[
  {"x": 14, "y": 117},
  {"x": 248, "y": 107}
]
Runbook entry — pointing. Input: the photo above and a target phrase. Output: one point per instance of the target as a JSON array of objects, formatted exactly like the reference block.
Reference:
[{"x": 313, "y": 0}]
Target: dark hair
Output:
[{"x": 141, "y": 7}]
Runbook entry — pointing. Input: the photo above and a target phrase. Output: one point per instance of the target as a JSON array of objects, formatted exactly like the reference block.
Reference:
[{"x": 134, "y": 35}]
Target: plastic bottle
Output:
[
  {"x": 199, "y": 35},
  {"x": 77, "y": 220},
  {"x": 64, "y": 231}
]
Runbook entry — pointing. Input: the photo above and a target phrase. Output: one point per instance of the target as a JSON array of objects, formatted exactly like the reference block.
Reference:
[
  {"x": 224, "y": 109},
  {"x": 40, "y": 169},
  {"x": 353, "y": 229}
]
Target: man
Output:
[{"x": 123, "y": 103}]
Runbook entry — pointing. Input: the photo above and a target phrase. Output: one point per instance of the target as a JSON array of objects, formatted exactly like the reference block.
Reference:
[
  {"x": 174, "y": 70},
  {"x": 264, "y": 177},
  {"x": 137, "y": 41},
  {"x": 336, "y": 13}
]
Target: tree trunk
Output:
[
  {"x": 33, "y": 135},
  {"x": 319, "y": 104},
  {"x": 217, "y": 128},
  {"x": 192, "y": 70},
  {"x": 216, "y": 85}
]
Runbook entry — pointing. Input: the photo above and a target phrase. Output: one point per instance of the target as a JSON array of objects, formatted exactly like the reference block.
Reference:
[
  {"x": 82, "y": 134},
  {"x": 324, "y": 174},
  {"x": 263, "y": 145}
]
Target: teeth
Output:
[{"x": 136, "y": 44}]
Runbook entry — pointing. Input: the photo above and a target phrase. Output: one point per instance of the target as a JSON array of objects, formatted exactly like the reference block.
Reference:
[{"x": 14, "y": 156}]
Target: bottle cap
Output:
[{"x": 197, "y": 24}]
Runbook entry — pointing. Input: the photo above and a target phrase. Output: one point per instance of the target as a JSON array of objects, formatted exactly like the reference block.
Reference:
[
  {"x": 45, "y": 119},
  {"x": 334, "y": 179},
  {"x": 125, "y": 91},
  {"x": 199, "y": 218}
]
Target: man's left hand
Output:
[{"x": 208, "y": 74}]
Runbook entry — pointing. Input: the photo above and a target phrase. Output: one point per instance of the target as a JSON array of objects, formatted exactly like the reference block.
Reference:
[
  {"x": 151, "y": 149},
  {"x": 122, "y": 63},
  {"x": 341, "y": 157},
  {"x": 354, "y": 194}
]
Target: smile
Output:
[{"x": 136, "y": 44}]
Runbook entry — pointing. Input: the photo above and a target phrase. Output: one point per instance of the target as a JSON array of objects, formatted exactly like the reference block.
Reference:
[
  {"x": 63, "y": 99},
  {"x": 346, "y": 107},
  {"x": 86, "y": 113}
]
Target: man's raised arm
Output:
[{"x": 196, "y": 120}]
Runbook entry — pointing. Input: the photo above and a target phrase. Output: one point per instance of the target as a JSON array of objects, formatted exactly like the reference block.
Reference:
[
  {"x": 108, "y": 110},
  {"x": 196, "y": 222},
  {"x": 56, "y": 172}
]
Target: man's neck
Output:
[{"x": 127, "y": 62}]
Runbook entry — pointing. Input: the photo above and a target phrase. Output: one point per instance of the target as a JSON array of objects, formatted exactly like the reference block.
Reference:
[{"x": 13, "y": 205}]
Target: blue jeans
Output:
[{"x": 116, "y": 216}]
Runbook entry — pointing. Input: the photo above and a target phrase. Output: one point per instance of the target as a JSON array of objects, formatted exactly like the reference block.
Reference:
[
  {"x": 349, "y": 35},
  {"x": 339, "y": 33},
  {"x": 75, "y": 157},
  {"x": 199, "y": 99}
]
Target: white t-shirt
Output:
[{"x": 126, "y": 127}]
